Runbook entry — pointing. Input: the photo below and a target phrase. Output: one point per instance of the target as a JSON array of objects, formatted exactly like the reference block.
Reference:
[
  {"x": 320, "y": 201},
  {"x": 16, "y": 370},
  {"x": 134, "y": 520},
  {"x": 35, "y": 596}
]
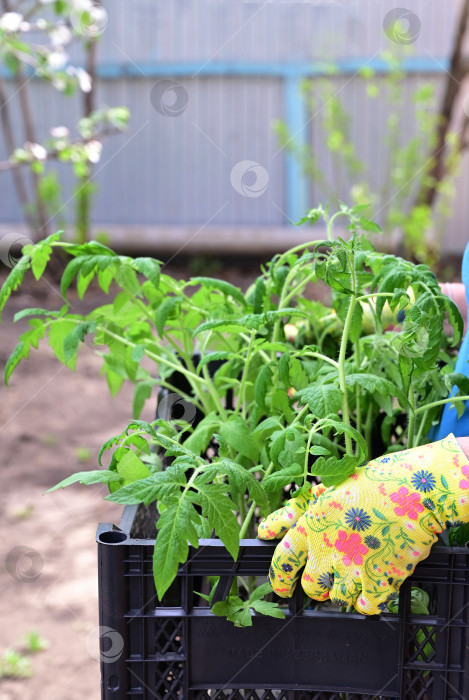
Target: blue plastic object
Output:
[{"x": 450, "y": 423}]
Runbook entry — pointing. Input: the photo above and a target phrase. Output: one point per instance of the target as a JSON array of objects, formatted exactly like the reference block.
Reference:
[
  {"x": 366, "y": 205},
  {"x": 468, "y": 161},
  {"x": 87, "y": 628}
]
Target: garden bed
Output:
[{"x": 179, "y": 649}]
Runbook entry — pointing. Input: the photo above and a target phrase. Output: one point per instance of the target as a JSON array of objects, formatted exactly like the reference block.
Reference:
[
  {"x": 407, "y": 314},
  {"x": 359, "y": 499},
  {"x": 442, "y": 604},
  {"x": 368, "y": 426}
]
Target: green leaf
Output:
[
  {"x": 321, "y": 399},
  {"x": 356, "y": 326},
  {"x": 444, "y": 482},
  {"x": 149, "y": 268},
  {"x": 69, "y": 274},
  {"x": 131, "y": 468},
  {"x": 318, "y": 451},
  {"x": 199, "y": 440},
  {"x": 25, "y": 313},
  {"x": 298, "y": 376},
  {"x": 225, "y": 288},
  {"x": 165, "y": 311},
  {"x": 99, "y": 476},
  {"x": 235, "y": 610},
  {"x": 258, "y": 296},
  {"x": 262, "y": 384},
  {"x": 368, "y": 225},
  {"x": 284, "y": 369},
  {"x": 237, "y": 434},
  {"x": 333, "y": 471},
  {"x": 459, "y": 536},
  {"x": 265, "y": 608},
  {"x": 143, "y": 391},
  {"x": 214, "y": 357},
  {"x": 21, "y": 351},
  {"x": 75, "y": 337},
  {"x": 175, "y": 528},
  {"x": 13, "y": 280},
  {"x": 357, "y": 437},
  {"x": 243, "y": 479},
  {"x": 218, "y": 509},
  {"x": 259, "y": 592},
  {"x": 58, "y": 331},
  {"x": 374, "y": 383},
  {"x": 278, "y": 480},
  {"x": 138, "y": 353},
  {"x": 250, "y": 321},
  {"x": 160, "y": 485}
]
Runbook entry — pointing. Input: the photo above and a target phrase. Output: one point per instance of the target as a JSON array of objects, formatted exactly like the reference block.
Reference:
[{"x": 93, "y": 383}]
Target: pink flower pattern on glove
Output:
[
  {"x": 351, "y": 546},
  {"x": 408, "y": 503}
]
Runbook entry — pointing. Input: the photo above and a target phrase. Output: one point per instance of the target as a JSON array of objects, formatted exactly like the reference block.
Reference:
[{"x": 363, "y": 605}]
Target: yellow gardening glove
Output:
[{"x": 360, "y": 540}]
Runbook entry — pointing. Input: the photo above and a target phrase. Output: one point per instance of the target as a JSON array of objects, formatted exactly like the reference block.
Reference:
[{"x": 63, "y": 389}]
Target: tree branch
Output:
[{"x": 457, "y": 71}]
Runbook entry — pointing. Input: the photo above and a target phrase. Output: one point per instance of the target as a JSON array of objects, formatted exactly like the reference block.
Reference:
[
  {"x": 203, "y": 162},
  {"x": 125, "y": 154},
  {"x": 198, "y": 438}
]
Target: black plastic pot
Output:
[{"x": 176, "y": 650}]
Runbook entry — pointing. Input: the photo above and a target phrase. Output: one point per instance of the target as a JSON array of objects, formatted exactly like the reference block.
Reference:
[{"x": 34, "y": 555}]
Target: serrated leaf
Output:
[
  {"x": 25, "y": 313},
  {"x": 21, "y": 351},
  {"x": 41, "y": 256},
  {"x": 13, "y": 280},
  {"x": 218, "y": 509},
  {"x": 356, "y": 325},
  {"x": 225, "y": 288},
  {"x": 282, "y": 478},
  {"x": 159, "y": 485},
  {"x": 321, "y": 399},
  {"x": 137, "y": 353},
  {"x": 143, "y": 391},
  {"x": 58, "y": 331},
  {"x": 75, "y": 337},
  {"x": 333, "y": 471},
  {"x": 165, "y": 311},
  {"x": 297, "y": 374},
  {"x": 374, "y": 383},
  {"x": 259, "y": 592},
  {"x": 264, "y": 607},
  {"x": 250, "y": 321},
  {"x": 284, "y": 369},
  {"x": 99, "y": 476},
  {"x": 199, "y": 440},
  {"x": 149, "y": 268},
  {"x": 258, "y": 296},
  {"x": 237, "y": 434},
  {"x": 214, "y": 357},
  {"x": 262, "y": 384},
  {"x": 175, "y": 528},
  {"x": 368, "y": 225},
  {"x": 243, "y": 479}
]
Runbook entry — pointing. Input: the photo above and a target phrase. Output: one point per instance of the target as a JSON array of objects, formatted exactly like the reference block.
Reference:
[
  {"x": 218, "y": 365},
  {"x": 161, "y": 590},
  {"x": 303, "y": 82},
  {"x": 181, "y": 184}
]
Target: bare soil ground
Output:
[{"x": 53, "y": 422}]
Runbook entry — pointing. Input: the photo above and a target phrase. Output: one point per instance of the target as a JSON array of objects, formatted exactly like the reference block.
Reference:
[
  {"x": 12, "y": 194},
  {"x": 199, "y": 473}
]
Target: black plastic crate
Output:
[{"x": 177, "y": 650}]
